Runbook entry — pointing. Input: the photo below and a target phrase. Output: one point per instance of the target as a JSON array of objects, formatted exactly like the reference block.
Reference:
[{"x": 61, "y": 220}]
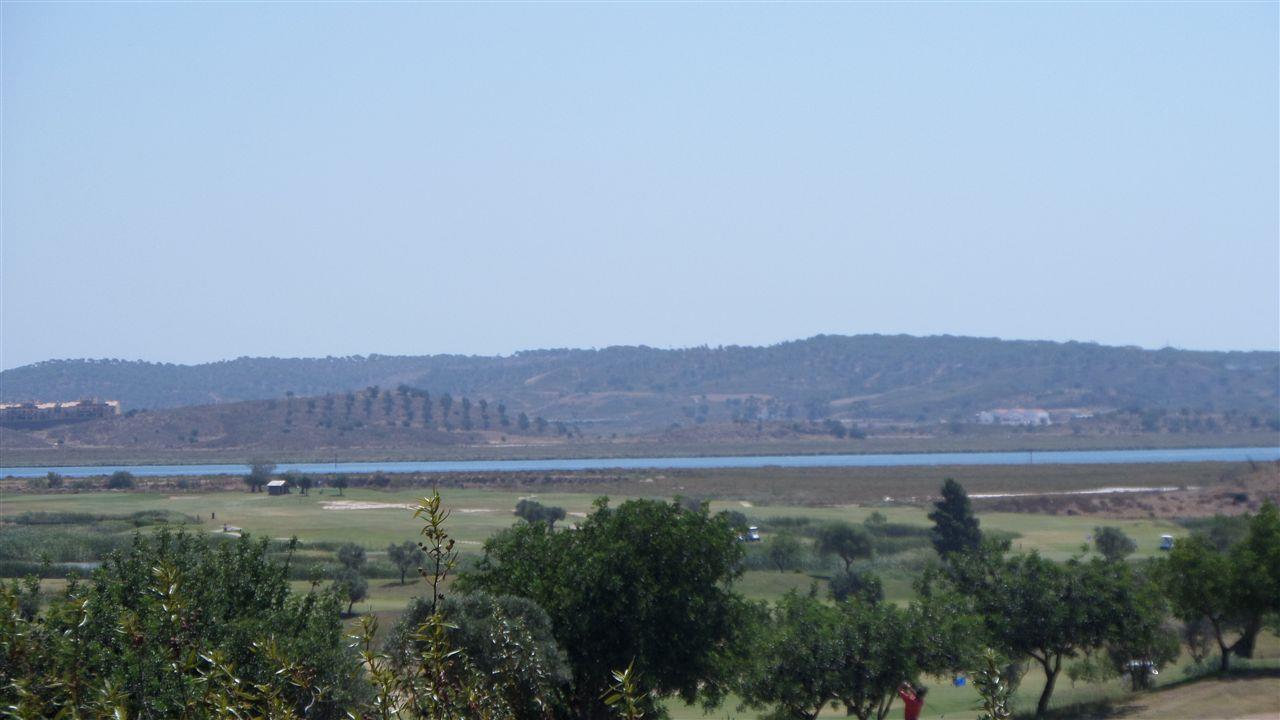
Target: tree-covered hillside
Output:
[{"x": 825, "y": 376}]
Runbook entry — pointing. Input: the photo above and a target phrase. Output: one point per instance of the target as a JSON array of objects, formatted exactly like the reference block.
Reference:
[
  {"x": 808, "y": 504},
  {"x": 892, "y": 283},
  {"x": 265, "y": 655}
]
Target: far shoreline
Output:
[
  {"x": 630, "y": 453},
  {"x": 631, "y": 449}
]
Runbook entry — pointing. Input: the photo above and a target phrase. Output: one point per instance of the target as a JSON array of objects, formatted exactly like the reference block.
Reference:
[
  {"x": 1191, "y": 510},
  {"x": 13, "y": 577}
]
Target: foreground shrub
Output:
[{"x": 176, "y": 626}]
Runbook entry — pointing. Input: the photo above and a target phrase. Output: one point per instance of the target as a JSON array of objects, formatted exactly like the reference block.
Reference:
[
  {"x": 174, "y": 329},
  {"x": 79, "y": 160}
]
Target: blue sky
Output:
[{"x": 192, "y": 182}]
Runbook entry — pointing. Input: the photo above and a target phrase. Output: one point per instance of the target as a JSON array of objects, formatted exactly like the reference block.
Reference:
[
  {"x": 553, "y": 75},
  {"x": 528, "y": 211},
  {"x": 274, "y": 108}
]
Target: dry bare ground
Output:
[
  {"x": 1249, "y": 697},
  {"x": 1237, "y": 493}
]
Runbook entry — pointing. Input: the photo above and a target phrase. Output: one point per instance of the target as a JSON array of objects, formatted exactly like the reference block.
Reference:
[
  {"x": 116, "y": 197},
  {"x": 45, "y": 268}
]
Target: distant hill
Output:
[{"x": 915, "y": 379}]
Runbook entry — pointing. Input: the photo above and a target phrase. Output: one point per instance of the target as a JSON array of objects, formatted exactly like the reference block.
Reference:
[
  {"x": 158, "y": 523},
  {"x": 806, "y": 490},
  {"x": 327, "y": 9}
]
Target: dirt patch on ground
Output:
[
  {"x": 1251, "y": 697},
  {"x": 355, "y": 505},
  {"x": 1243, "y": 492},
  {"x": 1097, "y": 491}
]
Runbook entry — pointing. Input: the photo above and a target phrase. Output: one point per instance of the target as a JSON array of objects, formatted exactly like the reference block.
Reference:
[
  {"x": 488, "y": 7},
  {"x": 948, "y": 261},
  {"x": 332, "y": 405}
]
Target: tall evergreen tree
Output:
[
  {"x": 446, "y": 405},
  {"x": 955, "y": 529}
]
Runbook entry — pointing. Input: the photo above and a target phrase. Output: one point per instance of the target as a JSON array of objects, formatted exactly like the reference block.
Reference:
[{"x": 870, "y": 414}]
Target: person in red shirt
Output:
[{"x": 912, "y": 700}]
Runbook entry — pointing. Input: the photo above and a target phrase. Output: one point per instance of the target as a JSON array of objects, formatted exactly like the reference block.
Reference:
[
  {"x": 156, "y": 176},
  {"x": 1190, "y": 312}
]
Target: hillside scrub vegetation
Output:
[{"x": 838, "y": 387}]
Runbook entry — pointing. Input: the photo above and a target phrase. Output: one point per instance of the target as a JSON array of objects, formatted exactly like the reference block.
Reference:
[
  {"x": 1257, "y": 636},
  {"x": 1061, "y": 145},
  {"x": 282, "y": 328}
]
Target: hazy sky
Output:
[{"x": 191, "y": 182}]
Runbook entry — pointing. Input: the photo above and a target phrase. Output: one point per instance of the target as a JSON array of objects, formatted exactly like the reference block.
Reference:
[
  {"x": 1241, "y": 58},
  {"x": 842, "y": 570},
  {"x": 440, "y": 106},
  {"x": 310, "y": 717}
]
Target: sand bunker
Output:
[
  {"x": 1097, "y": 491},
  {"x": 360, "y": 505},
  {"x": 354, "y": 505}
]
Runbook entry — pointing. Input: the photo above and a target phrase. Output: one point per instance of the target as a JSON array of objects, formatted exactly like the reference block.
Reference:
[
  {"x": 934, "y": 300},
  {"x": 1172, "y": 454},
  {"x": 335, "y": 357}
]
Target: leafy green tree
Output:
[
  {"x": 120, "y": 480},
  {"x": 882, "y": 647},
  {"x": 1113, "y": 544},
  {"x": 352, "y": 556},
  {"x": 522, "y": 422},
  {"x": 1049, "y": 612},
  {"x": 810, "y": 655},
  {"x": 341, "y": 482},
  {"x": 298, "y": 480},
  {"x": 1198, "y": 582},
  {"x": 1233, "y": 591},
  {"x": 405, "y": 556},
  {"x": 737, "y": 520},
  {"x": 951, "y": 632},
  {"x": 1140, "y": 641},
  {"x": 351, "y": 586},
  {"x": 836, "y": 428},
  {"x": 644, "y": 582},
  {"x": 797, "y": 660},
  {"x": 856, "y": 586},
  {"x": 1224, "y": 531},
  {"x": 532, "y": 511},
  {"x": 785, "y": 551},
  {"x": 845, "y": 541},
  {"x": 1255, "y": 567},
  {"x": 260, "y": 472},
  {"x": 54, "y": 480},
  {"x": 955, "y": 529}
]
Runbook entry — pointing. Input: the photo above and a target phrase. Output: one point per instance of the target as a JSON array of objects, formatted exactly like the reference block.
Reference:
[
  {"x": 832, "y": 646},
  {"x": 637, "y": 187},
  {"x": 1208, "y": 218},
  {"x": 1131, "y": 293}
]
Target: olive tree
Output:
[
  {"x": 405, "y": 556},
  {"x": 1112, "y": 544},
  {"x": 352, "y": 556},
  {"x": 785, "y": 551},
  {"x": 845, "y": 541},
  {"x": 260, "y": 472},
  {"x": 351, "y": 586},
  {"x": 532, "y": 511},
  {"x": 1231, "y": 591}
]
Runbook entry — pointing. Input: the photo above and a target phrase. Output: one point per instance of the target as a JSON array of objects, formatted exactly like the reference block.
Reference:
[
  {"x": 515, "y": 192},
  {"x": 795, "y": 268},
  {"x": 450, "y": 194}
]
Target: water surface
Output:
[{"x": 1061, "y": 457}]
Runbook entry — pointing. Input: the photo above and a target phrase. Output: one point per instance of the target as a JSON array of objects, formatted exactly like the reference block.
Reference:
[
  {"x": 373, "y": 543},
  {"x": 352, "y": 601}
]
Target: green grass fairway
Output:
[
  {"x": 375, "y": 518},
  {"x": 371, "y": 518}
]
